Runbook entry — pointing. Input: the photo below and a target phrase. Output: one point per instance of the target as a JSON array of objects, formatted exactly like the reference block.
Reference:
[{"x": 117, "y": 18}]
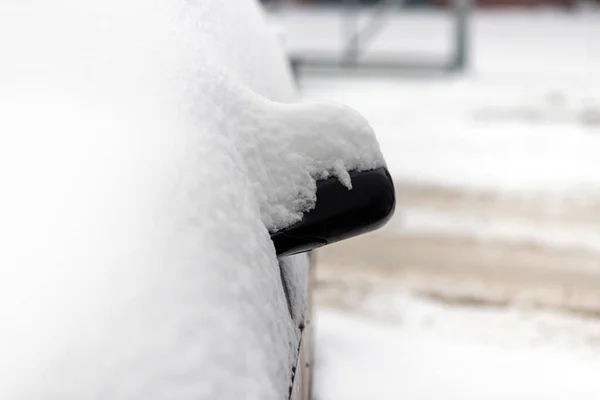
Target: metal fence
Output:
[{"x": 357, "y": 32}]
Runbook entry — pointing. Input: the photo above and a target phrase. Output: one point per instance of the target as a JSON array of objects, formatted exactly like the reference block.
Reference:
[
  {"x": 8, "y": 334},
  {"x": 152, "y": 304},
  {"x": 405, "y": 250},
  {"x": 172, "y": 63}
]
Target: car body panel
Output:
[
  {"x": 146, "y": 151},
  {"x": 171, "y": 288}
]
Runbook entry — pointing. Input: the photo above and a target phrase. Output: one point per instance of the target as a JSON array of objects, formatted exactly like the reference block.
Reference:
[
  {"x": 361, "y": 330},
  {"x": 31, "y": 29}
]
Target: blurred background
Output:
[{"x": 486, "y": 284}]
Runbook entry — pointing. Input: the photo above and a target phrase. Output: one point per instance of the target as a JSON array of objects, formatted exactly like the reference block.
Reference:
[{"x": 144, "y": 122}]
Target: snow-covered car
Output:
[{"x": 160, "y": 190}]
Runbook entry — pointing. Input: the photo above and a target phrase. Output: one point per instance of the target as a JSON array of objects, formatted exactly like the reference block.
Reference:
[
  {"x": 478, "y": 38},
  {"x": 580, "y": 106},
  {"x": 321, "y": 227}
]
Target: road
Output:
[{"x": 471, "y": 267}]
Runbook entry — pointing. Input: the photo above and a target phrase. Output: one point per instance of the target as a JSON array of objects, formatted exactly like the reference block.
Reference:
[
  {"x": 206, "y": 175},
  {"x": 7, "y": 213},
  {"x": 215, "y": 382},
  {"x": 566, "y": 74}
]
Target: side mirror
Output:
[{"x": 341, "y": 213}]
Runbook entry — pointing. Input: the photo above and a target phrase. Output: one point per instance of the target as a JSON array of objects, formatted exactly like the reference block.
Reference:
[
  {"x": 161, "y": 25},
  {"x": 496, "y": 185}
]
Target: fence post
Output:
[{"x": 461, "y": 34}]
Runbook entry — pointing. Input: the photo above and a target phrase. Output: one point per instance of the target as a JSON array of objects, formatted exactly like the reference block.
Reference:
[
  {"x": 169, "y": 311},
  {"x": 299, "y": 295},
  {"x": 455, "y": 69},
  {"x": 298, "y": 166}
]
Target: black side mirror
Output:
[{"x": 341, "y": 213}]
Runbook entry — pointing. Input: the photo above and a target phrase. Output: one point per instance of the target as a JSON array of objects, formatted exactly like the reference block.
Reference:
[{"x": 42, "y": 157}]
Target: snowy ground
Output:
[
  {"x": 498, "y": 167},
  {"x": 358, "y": 358},
  {"x": 375, "y": 340}
]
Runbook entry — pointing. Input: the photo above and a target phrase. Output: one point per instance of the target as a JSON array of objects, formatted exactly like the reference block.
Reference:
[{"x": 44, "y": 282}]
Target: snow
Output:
[
  {"x": 295, "y": 275},
  {"x": 432, "y": 351},
  {"x": 520, "y": 123},
  {"x": 146, "y": 150},
  {"x": 521, "y": 119},
  {"x": 552, "y": 234},
  {"x": 460, "y": 146},
  {"x": 537, "y": 42},
  {"x": 327, "y": 139}
]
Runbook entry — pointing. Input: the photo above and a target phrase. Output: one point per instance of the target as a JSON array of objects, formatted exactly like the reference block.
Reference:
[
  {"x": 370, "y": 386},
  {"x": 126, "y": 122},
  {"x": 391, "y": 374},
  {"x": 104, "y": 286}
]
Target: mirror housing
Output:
[{"x": 340, "y": 213}]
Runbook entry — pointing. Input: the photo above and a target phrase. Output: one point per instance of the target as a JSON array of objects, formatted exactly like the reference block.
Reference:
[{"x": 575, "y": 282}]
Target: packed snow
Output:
[{"x": 146, "y": 150}]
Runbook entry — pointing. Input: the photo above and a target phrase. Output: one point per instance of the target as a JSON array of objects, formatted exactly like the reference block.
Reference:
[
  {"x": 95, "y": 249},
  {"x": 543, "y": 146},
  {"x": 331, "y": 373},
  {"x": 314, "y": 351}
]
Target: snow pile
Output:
[{"x": 145, "y": 152}]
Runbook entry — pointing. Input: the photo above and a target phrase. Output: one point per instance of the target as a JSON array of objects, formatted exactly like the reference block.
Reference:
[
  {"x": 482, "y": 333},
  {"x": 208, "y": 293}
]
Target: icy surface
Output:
[{"x": 145, "y": 152}]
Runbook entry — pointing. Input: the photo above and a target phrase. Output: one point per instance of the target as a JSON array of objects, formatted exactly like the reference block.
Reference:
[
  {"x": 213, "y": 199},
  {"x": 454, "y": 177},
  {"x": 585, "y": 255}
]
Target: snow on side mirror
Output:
[{"x": 340, "y": 213}]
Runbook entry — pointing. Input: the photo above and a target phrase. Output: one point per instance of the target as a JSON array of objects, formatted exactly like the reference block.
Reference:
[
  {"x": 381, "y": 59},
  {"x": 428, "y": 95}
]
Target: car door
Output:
[{"x": 149, "y": 151}]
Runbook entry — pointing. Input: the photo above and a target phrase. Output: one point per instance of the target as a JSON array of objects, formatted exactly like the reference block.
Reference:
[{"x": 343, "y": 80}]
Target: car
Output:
[{"x": 162, "y": 189}]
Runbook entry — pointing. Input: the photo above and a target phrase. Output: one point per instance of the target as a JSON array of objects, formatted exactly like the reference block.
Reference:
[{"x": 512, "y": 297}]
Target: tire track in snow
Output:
[{"x": 457, "y": 266}]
